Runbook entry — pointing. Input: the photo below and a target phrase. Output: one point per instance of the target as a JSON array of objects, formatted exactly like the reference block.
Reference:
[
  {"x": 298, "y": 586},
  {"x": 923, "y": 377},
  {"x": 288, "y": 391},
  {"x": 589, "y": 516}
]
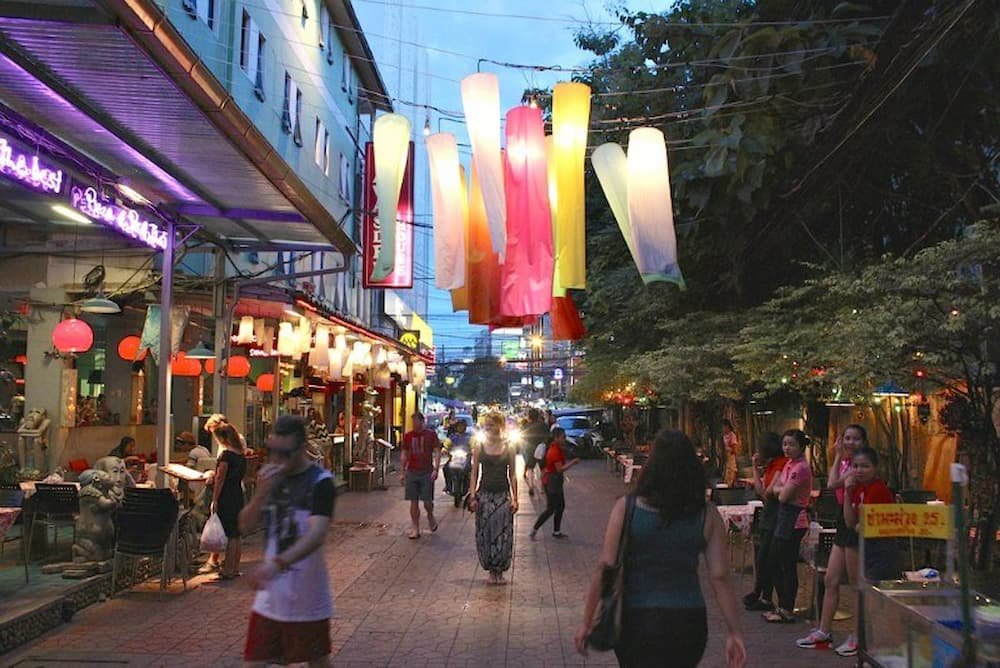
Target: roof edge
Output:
[{"x": 353, "y": 38}]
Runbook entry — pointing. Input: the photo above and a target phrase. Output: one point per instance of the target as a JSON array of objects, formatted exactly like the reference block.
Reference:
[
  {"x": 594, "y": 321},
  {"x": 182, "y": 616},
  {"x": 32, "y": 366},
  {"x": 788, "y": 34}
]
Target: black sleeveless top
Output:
[{"x": 494, "y": 478}]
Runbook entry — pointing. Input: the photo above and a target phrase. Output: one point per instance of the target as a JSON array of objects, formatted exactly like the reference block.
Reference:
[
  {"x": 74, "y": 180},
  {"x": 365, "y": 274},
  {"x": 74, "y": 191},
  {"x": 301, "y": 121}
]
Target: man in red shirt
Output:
[{"x": 419, "y": 462}]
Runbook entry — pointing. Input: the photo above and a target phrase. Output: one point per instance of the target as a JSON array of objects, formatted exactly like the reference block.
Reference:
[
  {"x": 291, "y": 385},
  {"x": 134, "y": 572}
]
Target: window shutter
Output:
[
  {"x": 191, "y": 7},
  {"x": 286, "y": 106},
  {"x": 297, "y": 121}
]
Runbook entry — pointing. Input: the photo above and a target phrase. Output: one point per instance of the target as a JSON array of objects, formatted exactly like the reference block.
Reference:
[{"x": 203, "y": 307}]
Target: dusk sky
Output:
[{"x": 457, "y": 34}]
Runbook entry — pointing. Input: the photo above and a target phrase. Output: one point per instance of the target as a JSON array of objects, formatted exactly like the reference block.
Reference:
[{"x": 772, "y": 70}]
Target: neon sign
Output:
[
  {"x": 124, "y": 220},
  {"x": 29, "y": 170}
]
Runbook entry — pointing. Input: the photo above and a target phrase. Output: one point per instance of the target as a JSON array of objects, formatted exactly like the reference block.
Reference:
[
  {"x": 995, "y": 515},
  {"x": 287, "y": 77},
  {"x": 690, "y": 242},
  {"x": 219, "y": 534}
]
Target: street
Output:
[{"x": 405, "y": 602}]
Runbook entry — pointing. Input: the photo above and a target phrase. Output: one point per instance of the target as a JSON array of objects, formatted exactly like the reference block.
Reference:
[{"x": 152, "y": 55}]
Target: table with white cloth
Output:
[
  {"x": 7, "y": 518},
  {"x": 738, "y": 517}
]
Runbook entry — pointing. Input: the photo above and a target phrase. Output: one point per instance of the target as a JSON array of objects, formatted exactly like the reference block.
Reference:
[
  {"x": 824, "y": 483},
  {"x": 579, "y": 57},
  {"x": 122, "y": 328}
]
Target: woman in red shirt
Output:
[
  {"x": 768, "y": 462},
  {"x": 555, "y": 501}
]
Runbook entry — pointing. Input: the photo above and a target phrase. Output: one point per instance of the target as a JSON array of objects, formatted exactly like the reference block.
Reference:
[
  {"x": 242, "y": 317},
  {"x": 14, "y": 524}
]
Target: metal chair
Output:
[
  {"x": 146, "y": 521},
  {"x": 916, "y": 495},
  {"x": 820, "y": 560},
  {"x": 826, "y": 509},
  {"x": 54, "y": 506},
  {"x": 14, "y": 498}
]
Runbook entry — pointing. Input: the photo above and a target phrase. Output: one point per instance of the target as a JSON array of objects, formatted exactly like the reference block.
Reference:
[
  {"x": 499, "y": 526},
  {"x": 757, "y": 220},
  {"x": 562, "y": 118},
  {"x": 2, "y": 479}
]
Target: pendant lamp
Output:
[
  {"x": 72, "y": 336},
  {"x": 100, "y": 304},
  {"x": 650, "y": 209},
  {"x": 449, "y": 223},
  {"x": 570, "y": 123},
  {"x": 245, "y": 333},
  {"x": 481, "y": 102},
  {"x": 200, "y": 352},
  {"x": 319, "y": 356},
  {"x": 391, "y": 139},
  {"x": 526, "y": 273},
  {"x": 286, "y": 340}
]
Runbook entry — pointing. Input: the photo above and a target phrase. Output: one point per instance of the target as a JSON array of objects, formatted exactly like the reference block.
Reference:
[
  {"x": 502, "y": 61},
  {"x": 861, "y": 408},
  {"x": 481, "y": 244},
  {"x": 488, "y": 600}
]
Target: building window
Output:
[
  {"x": 286, "y": 105},
  {"x": 324, "y": 25},
  {"x": 297, "y": 121},
  {"x": 321, "y": 150},
  {"x": 206, "y": 12},
  {"x": 347, "y": 78},
  {"x": 252, "y": 47},
  {"x": 344, "y": 182}
]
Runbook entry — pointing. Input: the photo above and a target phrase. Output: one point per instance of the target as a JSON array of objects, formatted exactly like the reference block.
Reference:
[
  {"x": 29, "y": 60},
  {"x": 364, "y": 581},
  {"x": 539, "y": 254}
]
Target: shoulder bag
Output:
[{"x": 608, "y": 620}]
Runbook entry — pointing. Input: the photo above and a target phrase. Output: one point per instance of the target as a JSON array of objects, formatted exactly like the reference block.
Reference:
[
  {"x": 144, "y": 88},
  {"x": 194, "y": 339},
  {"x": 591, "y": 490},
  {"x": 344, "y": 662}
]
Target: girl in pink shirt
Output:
[{"x": 792, "y": 488}]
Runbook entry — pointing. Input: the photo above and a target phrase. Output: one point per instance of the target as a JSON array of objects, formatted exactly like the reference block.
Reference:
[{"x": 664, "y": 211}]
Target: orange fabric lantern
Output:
[
  {"x": 483, "y": 265},
  {"x": 265, "y": 382},
  {"x": 72, "y": 336},
  {"x": 566, "y": 322},
  {"x": 238, "y": 367},
  {"x": 210, "y": 366},
  {"x": 185, "y": 367}
]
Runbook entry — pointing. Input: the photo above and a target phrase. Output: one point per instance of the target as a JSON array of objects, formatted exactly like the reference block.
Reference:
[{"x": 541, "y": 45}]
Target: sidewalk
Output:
[{"x": 404, "y": 602}]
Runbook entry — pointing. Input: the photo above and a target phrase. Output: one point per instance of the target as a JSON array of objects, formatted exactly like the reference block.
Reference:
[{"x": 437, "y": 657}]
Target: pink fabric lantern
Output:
[
  {"x": 72, "y": 336},
  {"x": 526, "y": 274}
]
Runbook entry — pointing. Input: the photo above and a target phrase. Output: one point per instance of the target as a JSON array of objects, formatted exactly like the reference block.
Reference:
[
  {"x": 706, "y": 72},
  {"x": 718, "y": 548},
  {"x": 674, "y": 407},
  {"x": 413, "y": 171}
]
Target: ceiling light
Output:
[
  {"x": 200, "y": 352},
  {"x": 132, "y": 194},
  {"x": 70, "y": 214},
  {"x": 100, "y": 304}
]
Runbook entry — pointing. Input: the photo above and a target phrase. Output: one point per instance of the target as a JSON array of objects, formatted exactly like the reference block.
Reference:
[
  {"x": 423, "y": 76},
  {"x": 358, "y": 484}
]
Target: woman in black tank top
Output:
[{"x": 494, "y": 500}]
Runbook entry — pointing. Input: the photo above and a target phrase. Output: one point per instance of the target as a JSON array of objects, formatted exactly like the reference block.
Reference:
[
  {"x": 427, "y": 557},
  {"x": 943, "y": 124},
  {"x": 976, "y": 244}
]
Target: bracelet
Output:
[{"x": 281, "y": 563}]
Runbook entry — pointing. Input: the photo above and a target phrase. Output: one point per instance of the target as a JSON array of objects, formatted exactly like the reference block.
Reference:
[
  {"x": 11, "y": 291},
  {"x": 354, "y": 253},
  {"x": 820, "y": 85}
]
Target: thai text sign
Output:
[
  {"x": 896, "y": 520},
  {"x": 122, "y": 219},
  {"x": 401, "y": 275},
  {"x": 28, "y": 170}
]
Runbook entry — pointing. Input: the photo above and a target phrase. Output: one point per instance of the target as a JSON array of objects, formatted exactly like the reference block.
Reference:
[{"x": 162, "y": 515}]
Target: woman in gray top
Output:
[{"x": 494, "y": 500}]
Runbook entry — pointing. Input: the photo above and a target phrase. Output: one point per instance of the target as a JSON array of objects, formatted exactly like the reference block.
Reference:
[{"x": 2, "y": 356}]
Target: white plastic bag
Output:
[
  {"x": 540, "y": 451},
  {"x": 213, "y": 536}
]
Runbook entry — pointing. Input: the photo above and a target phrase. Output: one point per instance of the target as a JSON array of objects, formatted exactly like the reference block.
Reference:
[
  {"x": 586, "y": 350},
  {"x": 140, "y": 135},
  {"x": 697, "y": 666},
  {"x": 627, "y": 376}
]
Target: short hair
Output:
[
  {"x": 800, "y": 437},
  {"x": 867, "y": 451},
  {"x": 214, "y": 420},
  {"x": 556, "y": 431},
  {"x": 418, "y": 416},
  {"x": 290, "y": 425},
  {"x": 861, "y": 430}
]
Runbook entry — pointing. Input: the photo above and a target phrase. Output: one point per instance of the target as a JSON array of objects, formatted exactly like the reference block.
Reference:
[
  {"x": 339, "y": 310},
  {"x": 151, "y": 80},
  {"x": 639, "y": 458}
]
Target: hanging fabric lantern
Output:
[
  {"x": 267, "y": 342},
  {"x": 72, "y": 336},
  {"x": 391, "y": 139},
  {"x": 287, "y": 345},
  {"x": 319, "y": 356},
  {"x": 347, "y": 370},
  {"x": 650, "y": 210},
  {"x": 526, "y": 273},
  {"x": 550, "y": 160},
  {"x": 335, "y": 362},
  {"x": 128, "y": 349},
  {"x": 258, "y": 330},
  {"x": 238, "y": 366},
  {"x": 382, "y": 378},
  {"x": 185, "y": 367},
  {"x": 481, "y": 102},
  {"x": 265, "y": 382},
  {"x": 570, "y": 122},
  {"x": 460, "y": 296},
  {"x": 303, "y": 337},
  {"x": 446, "y": 197},
  {"x": 566, "y": 322},
  {"x": 611, "y": 167},
  {"x": 379, "y": 355},
  {"x": 245, "y": 333},
  {"x": 483, "y": 263},
  {"x": 419, "y": 374}
]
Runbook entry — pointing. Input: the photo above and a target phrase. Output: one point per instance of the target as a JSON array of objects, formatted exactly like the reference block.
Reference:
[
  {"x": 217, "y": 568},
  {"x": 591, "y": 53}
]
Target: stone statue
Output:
[
  {"x": 95, "y": 531},
  {"x": 33, "y": 431},
  {"x": 115, "y": 468}
]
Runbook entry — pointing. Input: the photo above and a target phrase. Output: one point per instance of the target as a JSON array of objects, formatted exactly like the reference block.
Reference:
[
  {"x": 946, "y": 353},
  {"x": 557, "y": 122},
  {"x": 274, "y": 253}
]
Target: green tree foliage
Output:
[{"x": 485, "y": 381}]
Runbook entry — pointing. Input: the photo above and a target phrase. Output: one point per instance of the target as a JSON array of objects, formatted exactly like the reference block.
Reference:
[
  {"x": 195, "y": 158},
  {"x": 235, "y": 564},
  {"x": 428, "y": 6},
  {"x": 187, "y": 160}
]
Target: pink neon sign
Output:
[
  {"x": 127, "y": 221},
  {"x": 28, "y": 169}
]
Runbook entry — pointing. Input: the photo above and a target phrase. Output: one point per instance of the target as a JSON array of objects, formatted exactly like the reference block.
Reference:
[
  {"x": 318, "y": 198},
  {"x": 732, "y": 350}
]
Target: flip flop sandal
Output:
[
  {"x": 435, "y": 527},
  {"x": 778, "y": 617},
  {"x": 413, "y": 535}
]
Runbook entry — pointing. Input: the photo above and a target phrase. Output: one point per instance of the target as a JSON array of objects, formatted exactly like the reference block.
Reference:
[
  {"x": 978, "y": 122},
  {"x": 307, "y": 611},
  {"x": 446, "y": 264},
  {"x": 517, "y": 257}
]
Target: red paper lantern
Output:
[
  {"x": 20, "y": 359},
  {"x": 72, "y": 336},
  {"x": 184, "y": 367},
  {"x": 265, "y": 382},
  {"x": 210, "y": 366},
  {"x": 128, "y": 349},
  {"x": 238, "y": 367}
]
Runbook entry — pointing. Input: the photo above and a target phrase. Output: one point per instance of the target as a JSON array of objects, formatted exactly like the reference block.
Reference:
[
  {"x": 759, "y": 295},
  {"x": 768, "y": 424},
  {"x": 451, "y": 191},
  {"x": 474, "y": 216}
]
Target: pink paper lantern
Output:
[
  {"x": 526, "y": 273},
  {"x": 72, "y": 336}
]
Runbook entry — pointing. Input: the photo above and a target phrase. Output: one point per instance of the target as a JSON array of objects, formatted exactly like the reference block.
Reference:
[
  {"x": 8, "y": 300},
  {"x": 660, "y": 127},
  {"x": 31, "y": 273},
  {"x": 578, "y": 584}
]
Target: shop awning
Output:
[{"x": 122, "y": 88}]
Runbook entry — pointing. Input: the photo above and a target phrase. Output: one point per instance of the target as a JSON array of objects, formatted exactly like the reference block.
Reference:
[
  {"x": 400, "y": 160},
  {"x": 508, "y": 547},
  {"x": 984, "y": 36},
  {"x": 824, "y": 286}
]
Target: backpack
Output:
[{"x": 540, "y": 451}]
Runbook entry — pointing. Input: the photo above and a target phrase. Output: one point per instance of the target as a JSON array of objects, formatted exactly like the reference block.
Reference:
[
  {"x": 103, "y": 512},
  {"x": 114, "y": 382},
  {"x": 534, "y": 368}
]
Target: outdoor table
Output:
[
  {"x": 7, "y": 518},
  {"x": 28, "y": 487},
  {"x": 738, "y": 517}
]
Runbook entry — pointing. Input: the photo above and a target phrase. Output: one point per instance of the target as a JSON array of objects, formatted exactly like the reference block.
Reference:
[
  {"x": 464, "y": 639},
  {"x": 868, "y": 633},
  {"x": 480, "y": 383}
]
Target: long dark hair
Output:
[
  {"x": 228, "y": 435},
  {"x": 121, "y": 448},
  {"x": 769, "y": 446},
  {"x": 673, "y": 480}
]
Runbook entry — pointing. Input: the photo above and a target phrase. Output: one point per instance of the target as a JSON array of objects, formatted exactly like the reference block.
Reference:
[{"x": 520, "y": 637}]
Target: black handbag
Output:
[{"x": 607, "y": 626}]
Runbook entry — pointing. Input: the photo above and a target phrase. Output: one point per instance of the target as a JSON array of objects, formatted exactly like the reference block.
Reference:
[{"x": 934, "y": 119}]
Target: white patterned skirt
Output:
[{"x": 494, "y": 531}]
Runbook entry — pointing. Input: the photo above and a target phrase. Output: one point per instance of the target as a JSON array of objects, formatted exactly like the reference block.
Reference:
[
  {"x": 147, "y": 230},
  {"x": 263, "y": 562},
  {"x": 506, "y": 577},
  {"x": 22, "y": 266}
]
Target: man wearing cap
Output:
[
  {"x": 419, "y": 461},
  {"x": 186, "y": 441}
]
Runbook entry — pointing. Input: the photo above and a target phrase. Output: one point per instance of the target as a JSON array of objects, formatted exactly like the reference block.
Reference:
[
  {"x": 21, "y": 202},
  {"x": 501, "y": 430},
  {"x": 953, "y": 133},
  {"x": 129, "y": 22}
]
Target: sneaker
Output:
[
  {"x": 848, "y": 648},
  {"x": 759, "y": 605},
  {"x": 815, "y": 640},
  {"x": 751, "y": 598},
  {"x": 559, "y": 534}
]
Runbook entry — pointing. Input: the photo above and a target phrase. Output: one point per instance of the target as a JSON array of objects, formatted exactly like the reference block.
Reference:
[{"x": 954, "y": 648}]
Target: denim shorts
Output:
[{"x": 419, "y": 487}]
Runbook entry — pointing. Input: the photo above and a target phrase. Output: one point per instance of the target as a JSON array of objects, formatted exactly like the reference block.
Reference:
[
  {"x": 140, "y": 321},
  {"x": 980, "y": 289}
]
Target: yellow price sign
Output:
[{"x": 898, "y": 520}]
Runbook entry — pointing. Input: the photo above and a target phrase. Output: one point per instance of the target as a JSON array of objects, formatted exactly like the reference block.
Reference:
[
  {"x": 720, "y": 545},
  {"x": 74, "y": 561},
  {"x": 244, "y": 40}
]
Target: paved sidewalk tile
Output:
[{"x": 410, "y": 603}]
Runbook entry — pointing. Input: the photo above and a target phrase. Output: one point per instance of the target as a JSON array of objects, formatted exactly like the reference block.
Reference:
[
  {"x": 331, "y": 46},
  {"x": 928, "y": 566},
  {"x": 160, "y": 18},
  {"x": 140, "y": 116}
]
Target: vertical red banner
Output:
[{"x": 371, "y": 235}]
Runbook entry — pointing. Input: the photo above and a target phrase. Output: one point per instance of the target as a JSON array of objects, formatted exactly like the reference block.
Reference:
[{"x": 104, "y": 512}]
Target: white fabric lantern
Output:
[
  {"x": 319, "y": 355},
  {"x": 611, "y": 167},
  {"x": 650, "y": 208},
  {"x": 481, "y": 102},
  {"x": 245, "y": 333},
  {"x": 419, "y": 374},
  {"x": 259, "y": 325},
  {"x": 267, "y": 340},
  {"x": 335, "y": 359},
  {"x": 287, "y": 345},
  {"x": 391, "y": 138},
  {"x": 448, "y": 197},
  {"x": 303, "y": 336}
]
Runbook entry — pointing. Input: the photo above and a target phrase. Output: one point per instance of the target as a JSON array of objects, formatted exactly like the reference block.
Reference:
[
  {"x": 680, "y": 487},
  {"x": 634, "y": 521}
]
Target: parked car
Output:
[{"x": 582, "y": 440}]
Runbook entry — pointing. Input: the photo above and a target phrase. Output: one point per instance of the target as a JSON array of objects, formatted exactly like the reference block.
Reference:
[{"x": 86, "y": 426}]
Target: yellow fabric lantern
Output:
[
  {"x": 481, "y": 102},
  {"x": 391, "y": 139},
  {"x": 550, "y": 160},
  {"x": 570, "y": 122},
  {"x": 245, "y": 333},
  {"x": 449, "y": 212}
]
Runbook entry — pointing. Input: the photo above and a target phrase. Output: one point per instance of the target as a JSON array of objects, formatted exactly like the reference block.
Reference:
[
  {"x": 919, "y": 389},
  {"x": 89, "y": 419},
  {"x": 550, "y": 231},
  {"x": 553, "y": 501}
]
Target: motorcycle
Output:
[{"x": 460, "y": 471}]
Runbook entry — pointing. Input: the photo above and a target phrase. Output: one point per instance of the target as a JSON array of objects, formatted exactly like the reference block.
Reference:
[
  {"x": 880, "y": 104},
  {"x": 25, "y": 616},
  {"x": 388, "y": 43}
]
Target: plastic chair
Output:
[
  {"x": 54, "y": 506},
  {"x": 14, "y": 498},
  {"x": 145, "y": 527}
]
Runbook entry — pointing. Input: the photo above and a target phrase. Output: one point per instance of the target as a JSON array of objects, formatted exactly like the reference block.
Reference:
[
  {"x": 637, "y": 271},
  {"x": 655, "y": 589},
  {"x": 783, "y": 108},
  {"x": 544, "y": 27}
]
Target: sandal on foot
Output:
[
  {"x": 434, "y": 528},
  {"x": 413, "y": 535},
  {"x": 779, "y": 616}
]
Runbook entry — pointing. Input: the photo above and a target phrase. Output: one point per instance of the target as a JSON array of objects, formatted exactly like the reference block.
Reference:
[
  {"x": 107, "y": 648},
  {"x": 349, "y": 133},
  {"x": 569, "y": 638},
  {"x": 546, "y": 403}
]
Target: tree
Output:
[{"x": 485, "y": 381}]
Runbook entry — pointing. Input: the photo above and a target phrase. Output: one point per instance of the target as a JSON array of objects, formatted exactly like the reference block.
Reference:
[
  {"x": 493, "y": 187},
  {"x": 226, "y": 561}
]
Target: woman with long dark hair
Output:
[
  {"x": 227, "y": 495},
  {"x": 768, "y": 462},
  {"x": 670, "y": 523},
  {"x": 792, "y": 488}
]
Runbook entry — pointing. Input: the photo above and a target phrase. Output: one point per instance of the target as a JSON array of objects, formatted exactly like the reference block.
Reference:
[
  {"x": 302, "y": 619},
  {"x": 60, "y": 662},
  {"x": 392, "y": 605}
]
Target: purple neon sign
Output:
[
  {"x": 28, "y": 170},
  {"x": 122, "y": 219}
]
